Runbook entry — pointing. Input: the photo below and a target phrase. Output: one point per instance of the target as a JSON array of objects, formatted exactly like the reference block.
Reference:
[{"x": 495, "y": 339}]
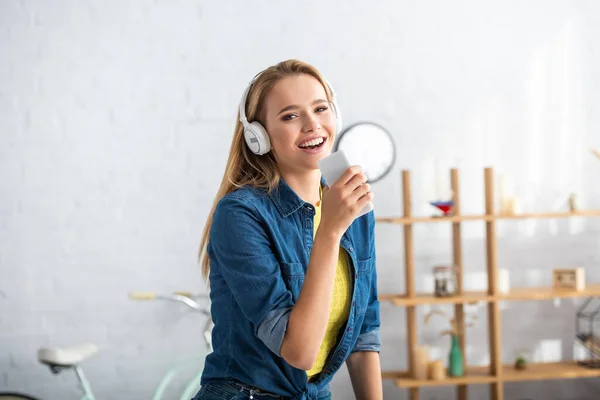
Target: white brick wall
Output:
[{"x": 116, "y": 119}]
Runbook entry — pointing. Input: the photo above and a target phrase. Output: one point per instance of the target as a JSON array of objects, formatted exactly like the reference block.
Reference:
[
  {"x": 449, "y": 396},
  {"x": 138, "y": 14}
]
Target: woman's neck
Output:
[{"x": 306, "y": 185}]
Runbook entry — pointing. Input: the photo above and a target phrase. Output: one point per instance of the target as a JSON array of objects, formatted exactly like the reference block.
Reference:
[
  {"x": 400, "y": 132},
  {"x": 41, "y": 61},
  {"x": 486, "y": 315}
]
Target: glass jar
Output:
[{"x": 445, "y": 280}]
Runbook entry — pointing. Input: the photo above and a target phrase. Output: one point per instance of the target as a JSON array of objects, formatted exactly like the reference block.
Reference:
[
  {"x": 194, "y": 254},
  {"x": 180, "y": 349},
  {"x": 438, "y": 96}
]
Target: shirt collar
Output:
[{"x": 286, "y": 200}]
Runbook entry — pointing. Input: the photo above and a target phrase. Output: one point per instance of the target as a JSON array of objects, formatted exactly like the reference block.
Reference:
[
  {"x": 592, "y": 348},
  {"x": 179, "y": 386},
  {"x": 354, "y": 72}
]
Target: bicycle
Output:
[{"x": 70, "y": 358}]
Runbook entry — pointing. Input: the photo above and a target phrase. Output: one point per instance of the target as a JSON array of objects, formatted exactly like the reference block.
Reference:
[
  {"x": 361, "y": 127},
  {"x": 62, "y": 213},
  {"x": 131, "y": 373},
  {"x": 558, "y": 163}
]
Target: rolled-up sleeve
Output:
[
  {"x": 369, "y": 338},
  {"x": 241, "y": 251}
]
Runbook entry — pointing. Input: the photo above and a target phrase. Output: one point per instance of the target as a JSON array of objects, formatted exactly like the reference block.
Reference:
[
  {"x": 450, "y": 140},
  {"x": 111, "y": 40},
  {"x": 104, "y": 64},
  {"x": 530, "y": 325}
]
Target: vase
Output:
[
  {"x": 421, "y": 361},
  {"x": 455, "y": 359}
]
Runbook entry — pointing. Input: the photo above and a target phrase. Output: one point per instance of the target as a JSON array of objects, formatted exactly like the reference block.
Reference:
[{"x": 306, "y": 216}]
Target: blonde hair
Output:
[{"x": 244, "y": 167}]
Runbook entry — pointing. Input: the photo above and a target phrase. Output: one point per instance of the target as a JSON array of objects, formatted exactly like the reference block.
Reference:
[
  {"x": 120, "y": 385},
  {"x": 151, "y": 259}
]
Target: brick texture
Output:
[{"x": 116, "y": 120}]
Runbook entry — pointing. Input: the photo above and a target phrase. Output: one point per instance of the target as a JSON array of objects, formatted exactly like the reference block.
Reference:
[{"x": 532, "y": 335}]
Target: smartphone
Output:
[{"x": 332, "y": 167}]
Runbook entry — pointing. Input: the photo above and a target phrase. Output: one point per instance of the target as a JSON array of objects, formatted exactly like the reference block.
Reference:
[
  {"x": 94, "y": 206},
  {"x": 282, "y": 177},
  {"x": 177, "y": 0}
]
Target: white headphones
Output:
[{"x": 256, "y": 135}]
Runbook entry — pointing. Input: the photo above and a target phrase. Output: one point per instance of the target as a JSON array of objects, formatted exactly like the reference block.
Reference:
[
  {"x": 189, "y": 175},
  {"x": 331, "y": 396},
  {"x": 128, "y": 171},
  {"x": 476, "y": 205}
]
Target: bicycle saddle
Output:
[{"x": 66, "y": 356}]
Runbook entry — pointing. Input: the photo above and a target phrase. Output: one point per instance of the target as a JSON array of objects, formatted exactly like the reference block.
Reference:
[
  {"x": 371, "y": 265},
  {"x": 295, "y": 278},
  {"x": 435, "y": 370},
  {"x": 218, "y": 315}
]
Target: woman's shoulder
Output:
[{"x": 245, "y": 197}]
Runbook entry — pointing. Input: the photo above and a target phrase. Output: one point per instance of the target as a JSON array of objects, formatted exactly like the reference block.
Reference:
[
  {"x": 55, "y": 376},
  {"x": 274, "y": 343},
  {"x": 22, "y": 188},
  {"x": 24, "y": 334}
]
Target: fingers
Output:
[
  {"x": 352, "y": 189},
  {"x": 361, "y": 197},
  {"x": 359, "y": 192},
  {"x": 350, "y": 174},
  {"x": 356, "y": 181},
  {"x": 364, "y": 200}
]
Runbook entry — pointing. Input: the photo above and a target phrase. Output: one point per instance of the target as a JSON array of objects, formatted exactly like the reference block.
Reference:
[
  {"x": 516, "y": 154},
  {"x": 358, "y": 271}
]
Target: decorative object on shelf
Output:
[
  {"x": 573, "y": 203},
  {"x": 445, "y": 280},
  {"x": 520, "y": 363},
  {"x": 505, "y": 195},
  {"x": 508, "y": 203},
  {"x": 436, "y": 370},
  {"x": 455, "y": 356},
  {"x": 521, "y": 360},
  {"x": 446, "y": 207},
  {"x": 421, "y": 357},
  {"x": 513, "y": 206},
  {"x": 369, "y": 145},
  {"x": 454, "y": 330},
  {"x": 588, "y": 315},
  {"x": 569, "y": 279},
  {"x": 503, "y": 280}
]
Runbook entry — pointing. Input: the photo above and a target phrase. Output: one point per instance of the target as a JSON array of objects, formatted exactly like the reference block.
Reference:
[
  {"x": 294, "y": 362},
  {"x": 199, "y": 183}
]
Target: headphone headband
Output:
[{"x": 242, "y": 106}]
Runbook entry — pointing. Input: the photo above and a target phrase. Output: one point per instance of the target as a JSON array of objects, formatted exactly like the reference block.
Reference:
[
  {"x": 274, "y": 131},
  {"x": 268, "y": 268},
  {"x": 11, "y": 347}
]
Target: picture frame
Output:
[{"x": 573, "y": 279}]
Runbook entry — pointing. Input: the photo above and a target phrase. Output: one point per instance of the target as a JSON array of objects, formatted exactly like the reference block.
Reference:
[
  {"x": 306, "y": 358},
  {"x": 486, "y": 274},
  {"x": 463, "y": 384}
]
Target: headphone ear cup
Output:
[{"x": 257, "y": 139}]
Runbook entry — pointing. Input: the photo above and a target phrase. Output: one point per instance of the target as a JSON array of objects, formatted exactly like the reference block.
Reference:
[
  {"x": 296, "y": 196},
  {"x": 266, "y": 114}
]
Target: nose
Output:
[{"x": 311, "y": 123}]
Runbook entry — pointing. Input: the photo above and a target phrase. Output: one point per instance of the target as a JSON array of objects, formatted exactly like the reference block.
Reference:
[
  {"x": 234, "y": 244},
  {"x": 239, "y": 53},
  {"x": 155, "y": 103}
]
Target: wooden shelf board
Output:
[
  {"x": 547, "y": 293},
  {"x": 515, "y": 294},
  {"x": 480, "y": 375},
  {"x": 474, "y": 376},
  {"x": 387, "y": 375},
  {"x": 543, "y": 371},
  {"x": 428, "y": 298},
  {"x": 484, "y": 217},
  {"x": 563, "y": 214},
  {"x": 410, "y": 220}
]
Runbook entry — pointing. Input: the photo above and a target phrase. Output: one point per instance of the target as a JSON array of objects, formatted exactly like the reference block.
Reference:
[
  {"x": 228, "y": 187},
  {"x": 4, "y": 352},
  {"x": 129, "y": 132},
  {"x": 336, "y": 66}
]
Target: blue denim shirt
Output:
[{"x": 259, "y": 248}]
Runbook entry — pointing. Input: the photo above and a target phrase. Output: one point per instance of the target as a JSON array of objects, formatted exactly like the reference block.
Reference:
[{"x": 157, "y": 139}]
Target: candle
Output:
[
  {"x": 436, "y": 370},
  {"x": 503, "y": 281}
]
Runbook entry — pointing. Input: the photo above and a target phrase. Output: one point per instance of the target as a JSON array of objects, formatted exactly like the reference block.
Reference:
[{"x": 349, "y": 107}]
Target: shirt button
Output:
[
  {"x": 350, "y": 330},
  {"x": 351, "y": 249}
]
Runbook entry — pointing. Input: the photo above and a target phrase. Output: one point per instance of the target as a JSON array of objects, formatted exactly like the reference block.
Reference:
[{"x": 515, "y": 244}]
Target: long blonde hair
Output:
[{"x": 244, "y": 167}]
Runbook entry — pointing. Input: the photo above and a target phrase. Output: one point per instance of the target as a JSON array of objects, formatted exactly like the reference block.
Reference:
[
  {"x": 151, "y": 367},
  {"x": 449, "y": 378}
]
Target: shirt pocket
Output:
[
  {"x": 363, "y": 284},
  {"x": 293, "y": 276}
]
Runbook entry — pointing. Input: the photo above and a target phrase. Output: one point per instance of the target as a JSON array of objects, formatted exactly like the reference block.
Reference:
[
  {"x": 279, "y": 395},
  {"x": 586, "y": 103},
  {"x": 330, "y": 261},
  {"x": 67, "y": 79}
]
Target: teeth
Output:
[{"x": 313, "y": 142}]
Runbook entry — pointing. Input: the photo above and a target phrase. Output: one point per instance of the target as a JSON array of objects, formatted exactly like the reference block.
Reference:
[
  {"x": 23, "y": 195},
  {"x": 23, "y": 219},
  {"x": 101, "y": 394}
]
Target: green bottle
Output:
[{"x": 455, "y": 359}]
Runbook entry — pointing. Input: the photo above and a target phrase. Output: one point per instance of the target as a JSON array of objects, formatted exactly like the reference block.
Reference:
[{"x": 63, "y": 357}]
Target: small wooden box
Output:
[{"x": 573, "y": 279}]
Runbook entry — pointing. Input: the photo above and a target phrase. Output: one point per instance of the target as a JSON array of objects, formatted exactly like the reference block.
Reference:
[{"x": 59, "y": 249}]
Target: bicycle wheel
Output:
[{"x": 15, "y": 396}]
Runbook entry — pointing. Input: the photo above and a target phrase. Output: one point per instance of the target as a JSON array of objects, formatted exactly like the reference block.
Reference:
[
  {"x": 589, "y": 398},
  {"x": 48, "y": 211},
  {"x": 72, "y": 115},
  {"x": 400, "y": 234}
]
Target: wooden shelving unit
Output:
[{"x": 495, "y": 374}]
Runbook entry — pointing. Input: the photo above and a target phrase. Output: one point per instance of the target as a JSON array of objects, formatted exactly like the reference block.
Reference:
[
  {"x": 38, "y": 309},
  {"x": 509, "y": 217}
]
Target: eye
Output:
[
  {"x": 289, "y": 117},
  {"x": 321, "y": 109}
]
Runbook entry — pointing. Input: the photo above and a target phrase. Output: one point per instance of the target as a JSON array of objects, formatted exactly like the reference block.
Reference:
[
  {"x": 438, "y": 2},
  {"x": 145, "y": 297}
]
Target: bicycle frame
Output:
[
  {"x": 193, "y": 385},
  {"x": 189, "y": 391},
  {"x": 84, "y": 384}
]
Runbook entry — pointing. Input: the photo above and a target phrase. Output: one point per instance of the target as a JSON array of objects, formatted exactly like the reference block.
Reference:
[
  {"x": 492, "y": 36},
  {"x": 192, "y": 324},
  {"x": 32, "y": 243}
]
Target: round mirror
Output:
[{"x": 369, "y": 145}]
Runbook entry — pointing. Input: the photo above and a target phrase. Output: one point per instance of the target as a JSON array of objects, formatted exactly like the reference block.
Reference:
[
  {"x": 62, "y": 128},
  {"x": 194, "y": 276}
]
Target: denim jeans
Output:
[{"x": 234, "y": 390}]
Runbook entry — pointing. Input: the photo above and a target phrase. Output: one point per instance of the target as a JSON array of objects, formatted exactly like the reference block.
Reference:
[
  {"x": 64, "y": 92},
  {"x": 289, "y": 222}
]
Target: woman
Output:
[{"x": 291, "y": 267}]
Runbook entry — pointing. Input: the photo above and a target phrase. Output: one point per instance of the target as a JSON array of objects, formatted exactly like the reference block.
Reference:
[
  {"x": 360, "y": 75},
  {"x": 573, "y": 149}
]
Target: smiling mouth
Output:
[{"x": 314, "y": 146}]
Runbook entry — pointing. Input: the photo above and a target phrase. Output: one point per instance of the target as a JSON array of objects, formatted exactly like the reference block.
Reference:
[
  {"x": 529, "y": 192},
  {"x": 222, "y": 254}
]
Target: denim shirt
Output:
[{"x": 259, "y": 248}]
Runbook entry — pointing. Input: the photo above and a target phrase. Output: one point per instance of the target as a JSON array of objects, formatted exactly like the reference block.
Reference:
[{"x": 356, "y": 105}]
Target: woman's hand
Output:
[{"x": 342, "y": 202}]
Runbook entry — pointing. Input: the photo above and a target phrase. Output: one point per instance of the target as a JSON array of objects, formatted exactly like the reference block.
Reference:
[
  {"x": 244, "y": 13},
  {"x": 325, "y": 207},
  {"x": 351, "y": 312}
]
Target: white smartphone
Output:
[{"x": 332, "y": 167}]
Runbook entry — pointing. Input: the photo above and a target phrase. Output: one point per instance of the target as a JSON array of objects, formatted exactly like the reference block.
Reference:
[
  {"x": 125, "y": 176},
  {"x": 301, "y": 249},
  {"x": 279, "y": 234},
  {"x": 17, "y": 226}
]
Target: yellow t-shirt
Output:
[{"x": 340, "y": 305}]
